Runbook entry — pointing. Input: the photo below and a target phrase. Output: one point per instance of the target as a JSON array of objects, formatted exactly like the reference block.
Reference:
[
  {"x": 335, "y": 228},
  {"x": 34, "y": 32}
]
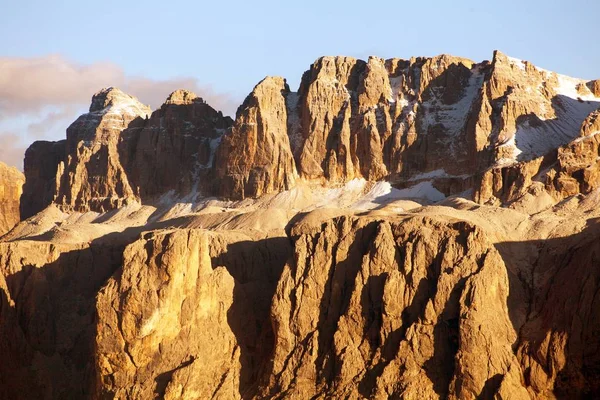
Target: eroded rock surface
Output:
[
  {"x": 390, "y": 308},
  {"x": 92, "y": 177},
  {"x": 175, "y": 149},
  {"x": 188, "y": 316},
  {"x": 11, "y": 187},
  {"x": 42, "y": 159},
  {"x": 444, "y": 121},
  {"x": 47, "y": 297},
  {"x": 255, "y": 158},
  {"x": 131, "y": 282}
]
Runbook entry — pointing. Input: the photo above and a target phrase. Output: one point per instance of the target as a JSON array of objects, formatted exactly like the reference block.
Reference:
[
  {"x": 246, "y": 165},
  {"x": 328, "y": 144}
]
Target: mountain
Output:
[{"x": 422, "y": 228}]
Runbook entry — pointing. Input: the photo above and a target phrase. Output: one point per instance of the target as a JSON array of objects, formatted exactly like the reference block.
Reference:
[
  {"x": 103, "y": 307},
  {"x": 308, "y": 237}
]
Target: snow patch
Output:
[
  {"x": 438, "y": 173},
  {"x": 359, "y": 195},
  {"x": 517, "y": 63},
  {"x": 559, "y": 120},
  {"x": 422, "y": 190},
  {"x": 571, "y": 110},
  {"x": 396, "y": 88},
  {"x": 453, "y": 116},
  {"x": 214, "y": 145}
]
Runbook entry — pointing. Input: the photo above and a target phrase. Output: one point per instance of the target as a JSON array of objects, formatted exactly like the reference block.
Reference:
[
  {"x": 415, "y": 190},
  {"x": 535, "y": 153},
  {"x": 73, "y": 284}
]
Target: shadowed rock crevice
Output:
[
  {"x": 557, "y": 345},
  {"x": 336, "y": 297},
  {"x": 256, "y": 267},
  {"x": 41, "y": 163},
  {"x": 389, "y": 295},
  {"x": 51, "y": 324}
]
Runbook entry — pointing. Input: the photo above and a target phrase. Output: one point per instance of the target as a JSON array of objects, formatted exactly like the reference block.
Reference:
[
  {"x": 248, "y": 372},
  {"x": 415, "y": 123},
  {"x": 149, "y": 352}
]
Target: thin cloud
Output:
[
  {"x": 49, "y": 92},
  {"x": 55, "y": 120},
  {"x": 28, "y": 85},
  {"x": 12, "y": 149}
]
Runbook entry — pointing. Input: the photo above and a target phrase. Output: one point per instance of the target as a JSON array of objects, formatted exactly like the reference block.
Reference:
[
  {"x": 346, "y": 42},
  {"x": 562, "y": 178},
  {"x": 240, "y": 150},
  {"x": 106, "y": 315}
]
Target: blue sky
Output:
[{"x": 224, "y": 48}]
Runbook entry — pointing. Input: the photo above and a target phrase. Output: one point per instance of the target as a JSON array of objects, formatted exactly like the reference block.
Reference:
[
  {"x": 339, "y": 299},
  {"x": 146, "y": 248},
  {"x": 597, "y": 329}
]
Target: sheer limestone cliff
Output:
[
  {"x": 11, "y": 187},
  {"x": 422, "y": 228}
]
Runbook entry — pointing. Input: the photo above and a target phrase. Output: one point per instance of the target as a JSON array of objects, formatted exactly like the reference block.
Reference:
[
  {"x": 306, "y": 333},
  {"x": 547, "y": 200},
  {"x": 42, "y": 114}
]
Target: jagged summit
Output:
[
  {"x": 117, "y": 101},
  {"x": 182, "y": 96},
  {"x": 438, "y": 121}
]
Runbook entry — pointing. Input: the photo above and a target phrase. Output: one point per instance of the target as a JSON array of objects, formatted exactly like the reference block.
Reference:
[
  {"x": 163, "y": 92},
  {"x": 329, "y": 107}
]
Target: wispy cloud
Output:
[
  {"x": 11, "y": 149},
  {"x": 43, "y": 95},
  {"x": 27, "y": 85},
  {"x": 43, "y": 127}
]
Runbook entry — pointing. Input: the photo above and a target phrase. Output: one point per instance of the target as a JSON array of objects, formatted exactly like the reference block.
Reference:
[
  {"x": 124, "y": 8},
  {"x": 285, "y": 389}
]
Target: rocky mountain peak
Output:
[
  {"x": 112, "y": 97},
  {"x": 255, "y": 157},
  {"x": 182, "y": 96}
]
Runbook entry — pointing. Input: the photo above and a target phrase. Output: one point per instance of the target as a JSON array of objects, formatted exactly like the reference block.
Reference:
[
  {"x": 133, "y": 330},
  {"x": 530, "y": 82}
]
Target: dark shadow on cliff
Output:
[
  {"x": 392, "y": 343},
  {"x": 162, "y": 380},
  {"x": 336, "y": 298},
  {"x": 54, "y": 317},
  {"x": 256, "y": 267},
  {"x": 432, "y": 137},
  {"x": 562, "y": 302},
  {"x": 40, "y": 166},
  {"x": 55, "y": 304}
]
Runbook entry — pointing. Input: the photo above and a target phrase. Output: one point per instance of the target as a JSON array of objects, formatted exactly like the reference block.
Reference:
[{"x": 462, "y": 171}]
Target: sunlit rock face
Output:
[
  {"x": 11, "y": 186},
  {"x": 444, "y": 119},
  {"x": 175, "y": 149},
  {"x": 92, "y": 176},
  {"x": 255, "y": 158},
  {"x": 422, "y": 228}
]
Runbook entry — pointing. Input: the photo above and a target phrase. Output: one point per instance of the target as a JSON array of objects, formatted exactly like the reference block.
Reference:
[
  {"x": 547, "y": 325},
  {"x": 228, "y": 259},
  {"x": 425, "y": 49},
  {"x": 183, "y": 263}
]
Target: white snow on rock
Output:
[
  {"x": 422, "y": 190},
  {"x": 438, "y": 173},
  {"x": 396, "y": 88},
  {"x": 358, "y": 195},
  {"x": 453, "y": 116},
  {"x": 383, "y": 193},
  {"x": 559, "y": 120},
  {"x": 517, "y": 63},
  {"x": 571, "y": 110}
]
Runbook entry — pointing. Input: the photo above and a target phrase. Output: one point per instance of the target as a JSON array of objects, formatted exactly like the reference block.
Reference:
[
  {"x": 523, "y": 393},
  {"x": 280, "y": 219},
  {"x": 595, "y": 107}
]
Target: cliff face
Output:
[
  {"x": 175, "y": 148},
  {"x": 304, "y": 277},
  {"x": 444, "y": 121},
  {"x": 559, "y": 349},
  {"x": 567, "y": 171},
  {"x": 380, "y": 308},
  {"x": 255, "y": 157},
  {"x": 47, "y": 293},
  {"x": 204, "y": 332},
  {"x": 119, "y": 154},
  {"x": 92, "y": 176},
  {"x": 11, "y": 186},
  {"x": 42, "y": 159},
  {"x": 383, "y": 117},
  {"x": 354, "y": 306}
]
